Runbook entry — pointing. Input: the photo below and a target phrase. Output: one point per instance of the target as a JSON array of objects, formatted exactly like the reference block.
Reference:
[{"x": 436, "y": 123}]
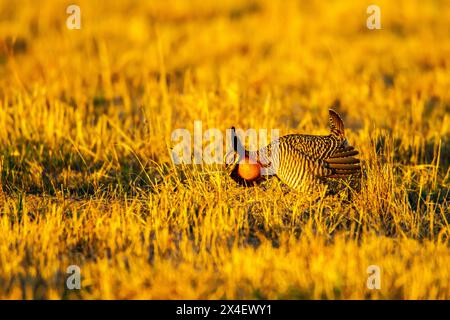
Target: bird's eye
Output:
[{"x": 230, "y": 159}]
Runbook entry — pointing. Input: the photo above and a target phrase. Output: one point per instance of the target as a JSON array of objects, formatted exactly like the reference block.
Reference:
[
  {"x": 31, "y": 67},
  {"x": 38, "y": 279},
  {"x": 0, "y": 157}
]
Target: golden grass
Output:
[{"x": 85, "y": 123}]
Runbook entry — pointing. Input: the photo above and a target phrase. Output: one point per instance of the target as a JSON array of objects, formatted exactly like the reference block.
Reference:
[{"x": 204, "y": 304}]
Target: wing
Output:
[
  {"x": 328, "y": 158},
  {"x": 342, "y": 162},
  {"x": 314, "y": 147}
]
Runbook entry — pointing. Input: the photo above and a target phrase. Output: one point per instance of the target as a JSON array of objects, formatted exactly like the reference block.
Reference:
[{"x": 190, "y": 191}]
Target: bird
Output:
[{"x": 300, "y": 161}]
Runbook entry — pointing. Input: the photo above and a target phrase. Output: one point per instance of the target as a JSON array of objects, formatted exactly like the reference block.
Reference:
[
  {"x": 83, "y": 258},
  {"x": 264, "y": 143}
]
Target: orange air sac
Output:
[{"x": 249, "y": 170}]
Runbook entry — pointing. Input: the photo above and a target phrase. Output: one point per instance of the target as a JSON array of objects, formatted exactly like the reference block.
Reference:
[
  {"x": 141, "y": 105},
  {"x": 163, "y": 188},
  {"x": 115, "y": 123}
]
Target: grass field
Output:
[{"x": 86, "y": 118}]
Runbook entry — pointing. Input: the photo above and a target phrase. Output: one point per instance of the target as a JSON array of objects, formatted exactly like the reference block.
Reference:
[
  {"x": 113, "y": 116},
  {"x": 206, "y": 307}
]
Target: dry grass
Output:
[{"x": 85, "y": 124}]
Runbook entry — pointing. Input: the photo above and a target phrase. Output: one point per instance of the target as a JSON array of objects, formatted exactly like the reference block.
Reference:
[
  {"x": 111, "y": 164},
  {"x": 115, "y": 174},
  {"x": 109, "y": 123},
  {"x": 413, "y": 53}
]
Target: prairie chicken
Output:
[{"x": 299, "y": 161}]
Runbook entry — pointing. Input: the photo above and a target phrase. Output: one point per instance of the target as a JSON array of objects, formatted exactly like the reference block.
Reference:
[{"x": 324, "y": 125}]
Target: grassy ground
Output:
[{"x": 86, "y": 118}]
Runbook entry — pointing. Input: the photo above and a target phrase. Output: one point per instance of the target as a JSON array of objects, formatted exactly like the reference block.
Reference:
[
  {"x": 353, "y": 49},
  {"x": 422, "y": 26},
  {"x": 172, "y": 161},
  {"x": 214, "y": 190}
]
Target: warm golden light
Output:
[{"x": 86, "y": 121}]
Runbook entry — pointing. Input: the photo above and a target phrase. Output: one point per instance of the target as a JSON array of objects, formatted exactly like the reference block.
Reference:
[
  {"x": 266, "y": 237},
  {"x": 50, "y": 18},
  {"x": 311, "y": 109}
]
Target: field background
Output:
[{"x": 85, "y": 123}]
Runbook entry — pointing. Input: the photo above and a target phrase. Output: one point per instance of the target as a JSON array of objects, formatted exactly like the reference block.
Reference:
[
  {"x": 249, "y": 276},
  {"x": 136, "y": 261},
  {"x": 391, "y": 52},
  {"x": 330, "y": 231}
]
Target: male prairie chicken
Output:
[{"x": 300, "y": 161}]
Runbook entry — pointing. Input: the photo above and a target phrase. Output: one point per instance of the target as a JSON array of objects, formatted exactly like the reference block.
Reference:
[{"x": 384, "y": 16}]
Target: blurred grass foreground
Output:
[{"x": 86, "y": 118}]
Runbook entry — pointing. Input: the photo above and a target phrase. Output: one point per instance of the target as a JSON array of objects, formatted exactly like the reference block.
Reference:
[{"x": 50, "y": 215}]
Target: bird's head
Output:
[
  {"x": 241, "y": 166},
  {"x": 243, "y": 169}
]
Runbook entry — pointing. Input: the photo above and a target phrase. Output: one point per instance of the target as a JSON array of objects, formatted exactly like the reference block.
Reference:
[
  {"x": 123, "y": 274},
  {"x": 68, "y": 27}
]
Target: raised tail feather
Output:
[
  {"x": 336, "y": 124},
  {"x": 341, "y": 162}
]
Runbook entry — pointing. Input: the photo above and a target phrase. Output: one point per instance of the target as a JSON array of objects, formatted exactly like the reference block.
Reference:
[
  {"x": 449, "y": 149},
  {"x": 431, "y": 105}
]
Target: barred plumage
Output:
[{"x": 301, "y": 161}]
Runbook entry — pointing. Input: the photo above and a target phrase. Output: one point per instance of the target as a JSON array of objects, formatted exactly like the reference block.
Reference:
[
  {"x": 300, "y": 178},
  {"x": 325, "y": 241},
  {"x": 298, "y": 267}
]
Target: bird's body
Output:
[{"x": 301, "y": 161}]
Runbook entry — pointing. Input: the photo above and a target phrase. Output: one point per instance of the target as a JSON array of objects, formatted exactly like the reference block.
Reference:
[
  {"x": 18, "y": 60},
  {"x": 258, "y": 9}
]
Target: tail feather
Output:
[
  {"x": 346, "y": 160},
  {"x": 338, "y": 176},
  {"x": 344, "y": 166},
  {"x": 342, "y": 162},
  {"x": 344, "y": 154},
  {"x": 336, "y": 124}
]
